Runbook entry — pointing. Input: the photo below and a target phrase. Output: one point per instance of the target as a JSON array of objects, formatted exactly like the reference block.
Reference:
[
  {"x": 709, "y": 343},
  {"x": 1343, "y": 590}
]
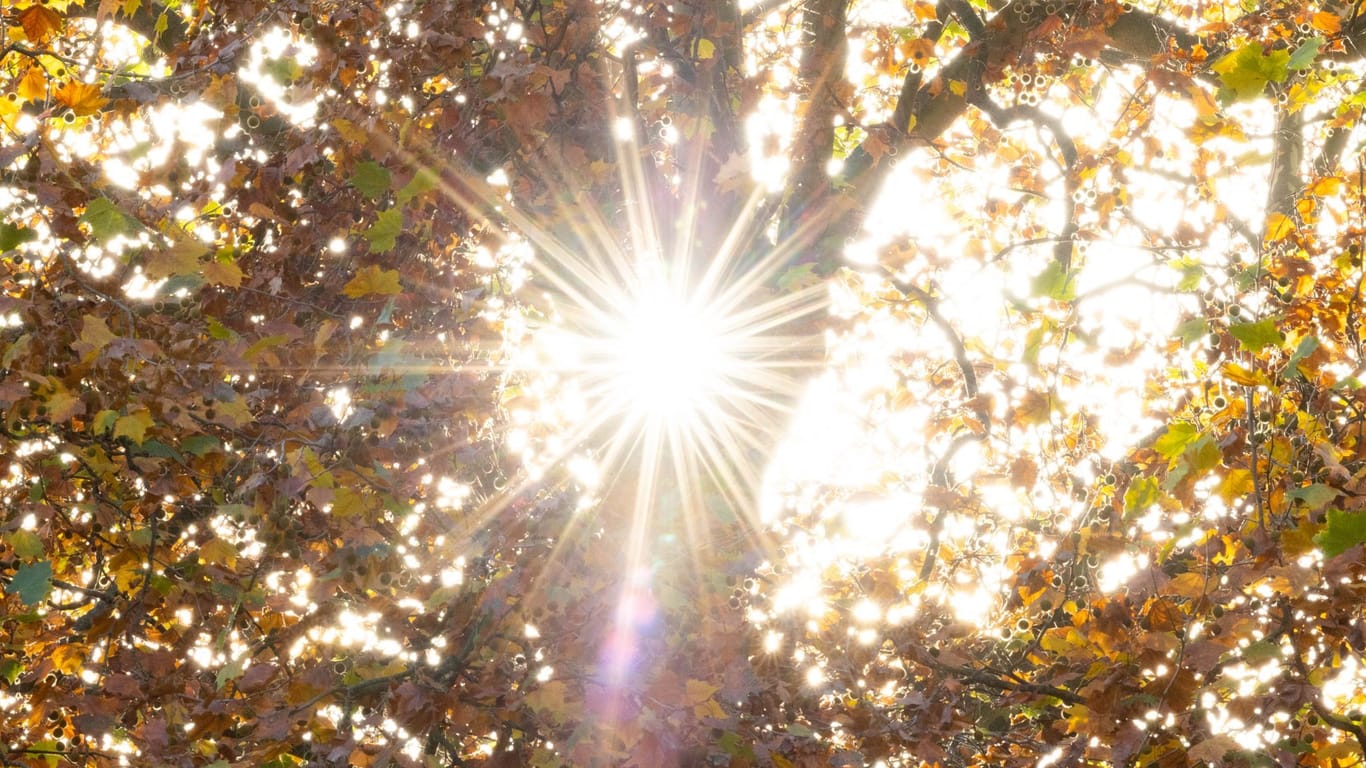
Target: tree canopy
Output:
[{"x": 565, "y": 382}]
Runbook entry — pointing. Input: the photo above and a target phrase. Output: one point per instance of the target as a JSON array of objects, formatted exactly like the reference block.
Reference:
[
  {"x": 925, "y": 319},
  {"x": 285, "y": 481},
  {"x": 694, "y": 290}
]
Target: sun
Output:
[{"x": 668, "y": 358}]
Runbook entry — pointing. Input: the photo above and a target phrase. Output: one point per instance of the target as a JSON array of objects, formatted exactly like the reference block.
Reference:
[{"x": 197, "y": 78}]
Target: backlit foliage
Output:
[{"x": 1016, "y": 345}]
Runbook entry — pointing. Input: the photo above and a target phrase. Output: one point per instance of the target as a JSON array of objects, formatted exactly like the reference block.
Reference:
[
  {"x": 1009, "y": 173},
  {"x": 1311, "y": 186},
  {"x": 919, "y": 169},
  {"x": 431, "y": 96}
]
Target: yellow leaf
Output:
[
  {"x": 699, "y": 691},
  {"x": 348, "y": 503},
  {"x": 68, "y": 657},
  {"x": 62, "y": 405},
  {"x": 222, "y": 272},
  {"x": 217, "y": 551},
  {"x": 1325, "y": 22},
  {"x": 182, "y": 258},
  {"x": 372, "y": 279},
  {"x": 40, "y": 23},
  {"x": 1240, "y": 375},
  {"x": 82, "y": 98},
  {"x": 134, "y": 426},
  {"x": 33, "y": 85},
  {"x": 1278, "y": 227},
  {"x": 95, "y": 336},
  {"x": 958, "y": 87},
  {"x": 705, "y": 49},
  {"x": 1205, "y": 106},
  {"x": 130, "y": 7},
  {"x": 1234, "y": 485},
  {"x": 1327, "y": 186},
  {"x": 549, "y": 699},
  {"x": 1189, "y": 584}
]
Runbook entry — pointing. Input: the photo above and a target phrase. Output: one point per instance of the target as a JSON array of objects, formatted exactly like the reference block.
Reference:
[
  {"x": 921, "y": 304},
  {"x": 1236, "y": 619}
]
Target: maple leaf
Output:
[
  {"x": 82, "y": 98},
  {"x": 33, "y": 85},
  {"x": 32, "y": 583},
  {"x": 373, "y": 280},
  {"x": 40, "y": 23},
  {"x": 95, "y": 336},
  {"x": 134, "y": 426}
]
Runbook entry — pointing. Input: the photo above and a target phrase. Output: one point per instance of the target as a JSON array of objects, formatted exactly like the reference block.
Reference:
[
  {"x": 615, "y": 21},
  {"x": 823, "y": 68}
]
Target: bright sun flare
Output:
[{"x": 669, "y": 358}]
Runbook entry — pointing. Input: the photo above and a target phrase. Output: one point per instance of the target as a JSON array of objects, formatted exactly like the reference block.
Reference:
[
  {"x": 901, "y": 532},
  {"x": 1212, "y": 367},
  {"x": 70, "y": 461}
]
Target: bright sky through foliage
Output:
[{"x": 553, "y": 383}]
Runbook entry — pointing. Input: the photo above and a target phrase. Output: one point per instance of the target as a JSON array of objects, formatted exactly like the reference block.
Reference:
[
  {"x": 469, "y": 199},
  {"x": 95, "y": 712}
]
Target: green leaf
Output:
[
  {"x": 200, "y": 445},
  {"x": 12, "y": 237},
  {"x": 1142, "y": 493},
  {"x": 1305, "y": 54},
  {"x": 1257, "y": 336},
  {"x": 26, "y": 544},
  {"x": 1314, "y": 496},
  {"x": 423, "y": 181},
  {"x": 1204, "y": 454},
  {"x": 1245, "y": 73},
  {"x": 1174, "y": 441},
  {"x": 1192, "y": 330},
  {"x": 1343, "y": 531},
  {"x": 1055, "y": 283},
  {"x": 10, "y": 670},
  {"x": 1304, "y": 349},
  {"x": 1192, "y": 272},
  {"x": 371, "y": 179},
  {"x": 384, "y": 232},
  {"x": 32, "y": 582},
  {"x": 107, "y": 221}
]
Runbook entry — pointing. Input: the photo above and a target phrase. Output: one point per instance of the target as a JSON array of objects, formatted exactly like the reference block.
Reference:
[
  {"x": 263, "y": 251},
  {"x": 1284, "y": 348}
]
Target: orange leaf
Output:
[
  {"x": 1278, "y": 227},
  {"x": 40, "y": 23},
  {"x": 33, "y": 85},
  {"x": 1325, "y": 22},
  {"x": 68, "y": 657},
  {"x": 82, "y": 98}
]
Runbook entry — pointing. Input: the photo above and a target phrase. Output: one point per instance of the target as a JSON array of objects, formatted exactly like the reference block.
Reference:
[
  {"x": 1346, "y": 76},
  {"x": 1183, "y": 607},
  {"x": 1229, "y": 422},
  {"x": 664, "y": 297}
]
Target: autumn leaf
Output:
[
  {"x": 1278, "y": 227},
  {"x": 33, "y": 85},
  {"x": 68, "y": 658},
  {"x": 1177, "y": 437},
  {"x": 40, "y": 23},
  {"x": 95, "y": 336},
  {"x": 83, "y": 98},
  {"x": 1246, "y": 72},
  {"x": 1258, "y": 335},
  {"x": 373, "y": 280},
  {"x": 25, "y": 543},
  {"x": 223, "y": 271},
  {"x": 134, "y": 426}
]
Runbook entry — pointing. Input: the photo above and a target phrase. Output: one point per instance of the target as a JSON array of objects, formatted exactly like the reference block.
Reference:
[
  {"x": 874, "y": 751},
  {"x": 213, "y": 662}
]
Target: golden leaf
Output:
[
  {"x": 82, "y": 98},
  {"x": 372, "y": 279},
  {"x": 223, "y": 273},
  {"x": 134, "y": 426},
  {"x": 33, "y": 85},
  {"x": 1278, "y": 227},
  {"x": 68, "y": 657},
  {"x": 1328, "y": 186},
  {"x": 95, "y": 336}
]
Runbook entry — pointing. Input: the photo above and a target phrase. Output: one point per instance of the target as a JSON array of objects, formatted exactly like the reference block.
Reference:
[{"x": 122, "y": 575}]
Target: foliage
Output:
[{"x": 263, "y": 264}]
